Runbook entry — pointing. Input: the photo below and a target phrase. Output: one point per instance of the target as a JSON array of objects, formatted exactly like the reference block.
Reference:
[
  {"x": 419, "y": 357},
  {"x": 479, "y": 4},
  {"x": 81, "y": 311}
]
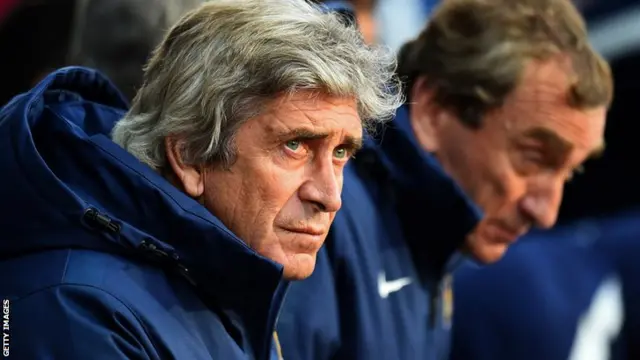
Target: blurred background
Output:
[{"x": 116, "y": 37}]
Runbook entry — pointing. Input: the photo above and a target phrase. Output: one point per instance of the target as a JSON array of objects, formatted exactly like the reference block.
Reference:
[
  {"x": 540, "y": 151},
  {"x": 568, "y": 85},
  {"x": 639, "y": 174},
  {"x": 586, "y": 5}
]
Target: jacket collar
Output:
[{"x": 435, "y": 213}]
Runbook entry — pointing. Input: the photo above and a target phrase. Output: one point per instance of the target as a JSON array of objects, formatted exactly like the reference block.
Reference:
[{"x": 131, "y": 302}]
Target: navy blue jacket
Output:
[
  {"x": 572, "y": 293},
  {"x": 104, "y": 259},
  {"x": 380, "y": 290}
]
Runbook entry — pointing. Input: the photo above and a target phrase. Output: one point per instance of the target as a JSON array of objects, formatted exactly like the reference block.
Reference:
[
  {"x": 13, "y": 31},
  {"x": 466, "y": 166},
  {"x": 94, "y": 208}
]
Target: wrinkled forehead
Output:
[
  {"x": 312, "y": 115},
  {"x": 540, "y": 103}
]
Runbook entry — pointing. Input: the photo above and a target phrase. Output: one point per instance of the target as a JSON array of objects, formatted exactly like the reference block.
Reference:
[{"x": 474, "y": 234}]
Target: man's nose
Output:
[
  {"x": 323, "y": 188},
  {"x": 543, "y": 205}
]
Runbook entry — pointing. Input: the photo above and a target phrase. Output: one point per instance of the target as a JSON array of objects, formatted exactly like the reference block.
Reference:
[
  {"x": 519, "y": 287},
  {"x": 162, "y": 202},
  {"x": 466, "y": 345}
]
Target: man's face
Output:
[
  {"x": 283, "y": 191},
  {"x": 515, "y": 166}
]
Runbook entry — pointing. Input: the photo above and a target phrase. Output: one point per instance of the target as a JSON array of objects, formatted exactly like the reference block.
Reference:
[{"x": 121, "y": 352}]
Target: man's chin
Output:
[
  {"x": 299, "y": 266},
  {"x": 488, "y": 253}
]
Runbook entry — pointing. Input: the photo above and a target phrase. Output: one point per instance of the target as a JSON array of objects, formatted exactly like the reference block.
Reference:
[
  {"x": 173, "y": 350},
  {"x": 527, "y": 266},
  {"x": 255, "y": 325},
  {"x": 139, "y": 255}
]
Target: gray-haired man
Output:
[{"x": 171, "y": 231}]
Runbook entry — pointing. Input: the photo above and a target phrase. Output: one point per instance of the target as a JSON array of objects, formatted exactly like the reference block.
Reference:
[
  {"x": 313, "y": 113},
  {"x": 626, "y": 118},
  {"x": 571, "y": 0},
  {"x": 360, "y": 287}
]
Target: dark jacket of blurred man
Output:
[
  {"x": 171, "y": 230},
  {"x": 557, "y": 295},
  {"x": 505, "y": 100}
]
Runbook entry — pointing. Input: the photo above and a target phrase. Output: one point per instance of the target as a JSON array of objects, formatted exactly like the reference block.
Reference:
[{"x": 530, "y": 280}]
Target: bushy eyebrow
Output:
[
  {"x": 557, "y": 143},
  {"x": 303, "y": 134}
]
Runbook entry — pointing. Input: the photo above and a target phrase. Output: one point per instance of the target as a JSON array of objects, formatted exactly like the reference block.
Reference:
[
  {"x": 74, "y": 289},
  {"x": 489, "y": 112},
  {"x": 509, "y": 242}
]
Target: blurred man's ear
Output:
[{"x": 425, "y": 116}]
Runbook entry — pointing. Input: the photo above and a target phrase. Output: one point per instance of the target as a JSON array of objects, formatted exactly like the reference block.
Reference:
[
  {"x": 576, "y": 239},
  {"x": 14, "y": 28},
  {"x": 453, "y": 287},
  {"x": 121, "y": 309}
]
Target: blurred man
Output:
[
  {"x": 113, "y": 36},
  {"x": 504, "y": 102},
  {"x": 171, "y": 231},
  {"x": 572, "y": 293}
]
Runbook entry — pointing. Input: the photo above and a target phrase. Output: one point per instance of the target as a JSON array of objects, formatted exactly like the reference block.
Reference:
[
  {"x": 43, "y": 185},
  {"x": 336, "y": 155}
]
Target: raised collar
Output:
[{"x": 435, "y": 213}]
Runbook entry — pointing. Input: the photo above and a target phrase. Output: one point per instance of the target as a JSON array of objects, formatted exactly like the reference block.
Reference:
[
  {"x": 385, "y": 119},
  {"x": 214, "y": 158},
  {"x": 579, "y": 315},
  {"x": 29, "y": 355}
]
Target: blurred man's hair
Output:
[
  {"x": 473, "y": 52},
  {"x": 117, "y": 36}
]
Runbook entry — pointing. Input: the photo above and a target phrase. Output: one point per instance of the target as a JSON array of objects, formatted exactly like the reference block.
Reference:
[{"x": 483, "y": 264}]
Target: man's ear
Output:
[
  {"x": 190, "y": 177},
  {"x": 425, "y": 116}
]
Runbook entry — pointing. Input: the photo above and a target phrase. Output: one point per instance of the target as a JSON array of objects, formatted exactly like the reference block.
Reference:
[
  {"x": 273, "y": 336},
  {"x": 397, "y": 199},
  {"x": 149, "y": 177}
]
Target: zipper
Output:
[{"x": 274, "y": 314}]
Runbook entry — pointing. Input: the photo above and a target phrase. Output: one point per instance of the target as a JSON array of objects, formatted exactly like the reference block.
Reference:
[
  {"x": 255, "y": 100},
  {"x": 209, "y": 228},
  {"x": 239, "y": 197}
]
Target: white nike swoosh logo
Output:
[{"x": 387, "y": 287}]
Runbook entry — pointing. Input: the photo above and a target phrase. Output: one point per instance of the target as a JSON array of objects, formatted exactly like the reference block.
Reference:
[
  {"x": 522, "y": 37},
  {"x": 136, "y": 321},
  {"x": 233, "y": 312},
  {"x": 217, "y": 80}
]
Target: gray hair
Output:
[
  {"x": 117, "y": 36},
  {"x": 222, "y": 63}
]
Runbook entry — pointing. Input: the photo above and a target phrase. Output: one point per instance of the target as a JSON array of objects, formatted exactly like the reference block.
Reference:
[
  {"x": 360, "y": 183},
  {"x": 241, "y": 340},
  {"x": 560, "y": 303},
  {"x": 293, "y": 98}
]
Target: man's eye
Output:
[
  {"x": 293, "y": 145},
  {"x": 533, "y": 156},
  {"x": 530, "y": 161},
  {"x": 340, "y": 153}
]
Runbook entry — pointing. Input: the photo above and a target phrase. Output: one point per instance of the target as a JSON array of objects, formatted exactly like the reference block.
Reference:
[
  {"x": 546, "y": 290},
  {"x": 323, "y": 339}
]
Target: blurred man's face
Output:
[
  {"x": 283, "y": 191},
  {"x": 515, "y": 166}
]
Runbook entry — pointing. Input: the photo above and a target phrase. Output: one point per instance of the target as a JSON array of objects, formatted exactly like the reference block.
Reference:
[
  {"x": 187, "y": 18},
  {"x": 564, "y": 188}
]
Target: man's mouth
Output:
[
  {"x": 502, "y": 232},
  {"x": 307, "y": 230}
]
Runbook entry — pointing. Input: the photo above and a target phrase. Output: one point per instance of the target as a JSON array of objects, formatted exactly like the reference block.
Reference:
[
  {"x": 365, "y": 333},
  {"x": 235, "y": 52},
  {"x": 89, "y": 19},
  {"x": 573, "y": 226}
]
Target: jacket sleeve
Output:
[
  {"x": 308, "y": 326},
  {"x": 74, "y": 322}
]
